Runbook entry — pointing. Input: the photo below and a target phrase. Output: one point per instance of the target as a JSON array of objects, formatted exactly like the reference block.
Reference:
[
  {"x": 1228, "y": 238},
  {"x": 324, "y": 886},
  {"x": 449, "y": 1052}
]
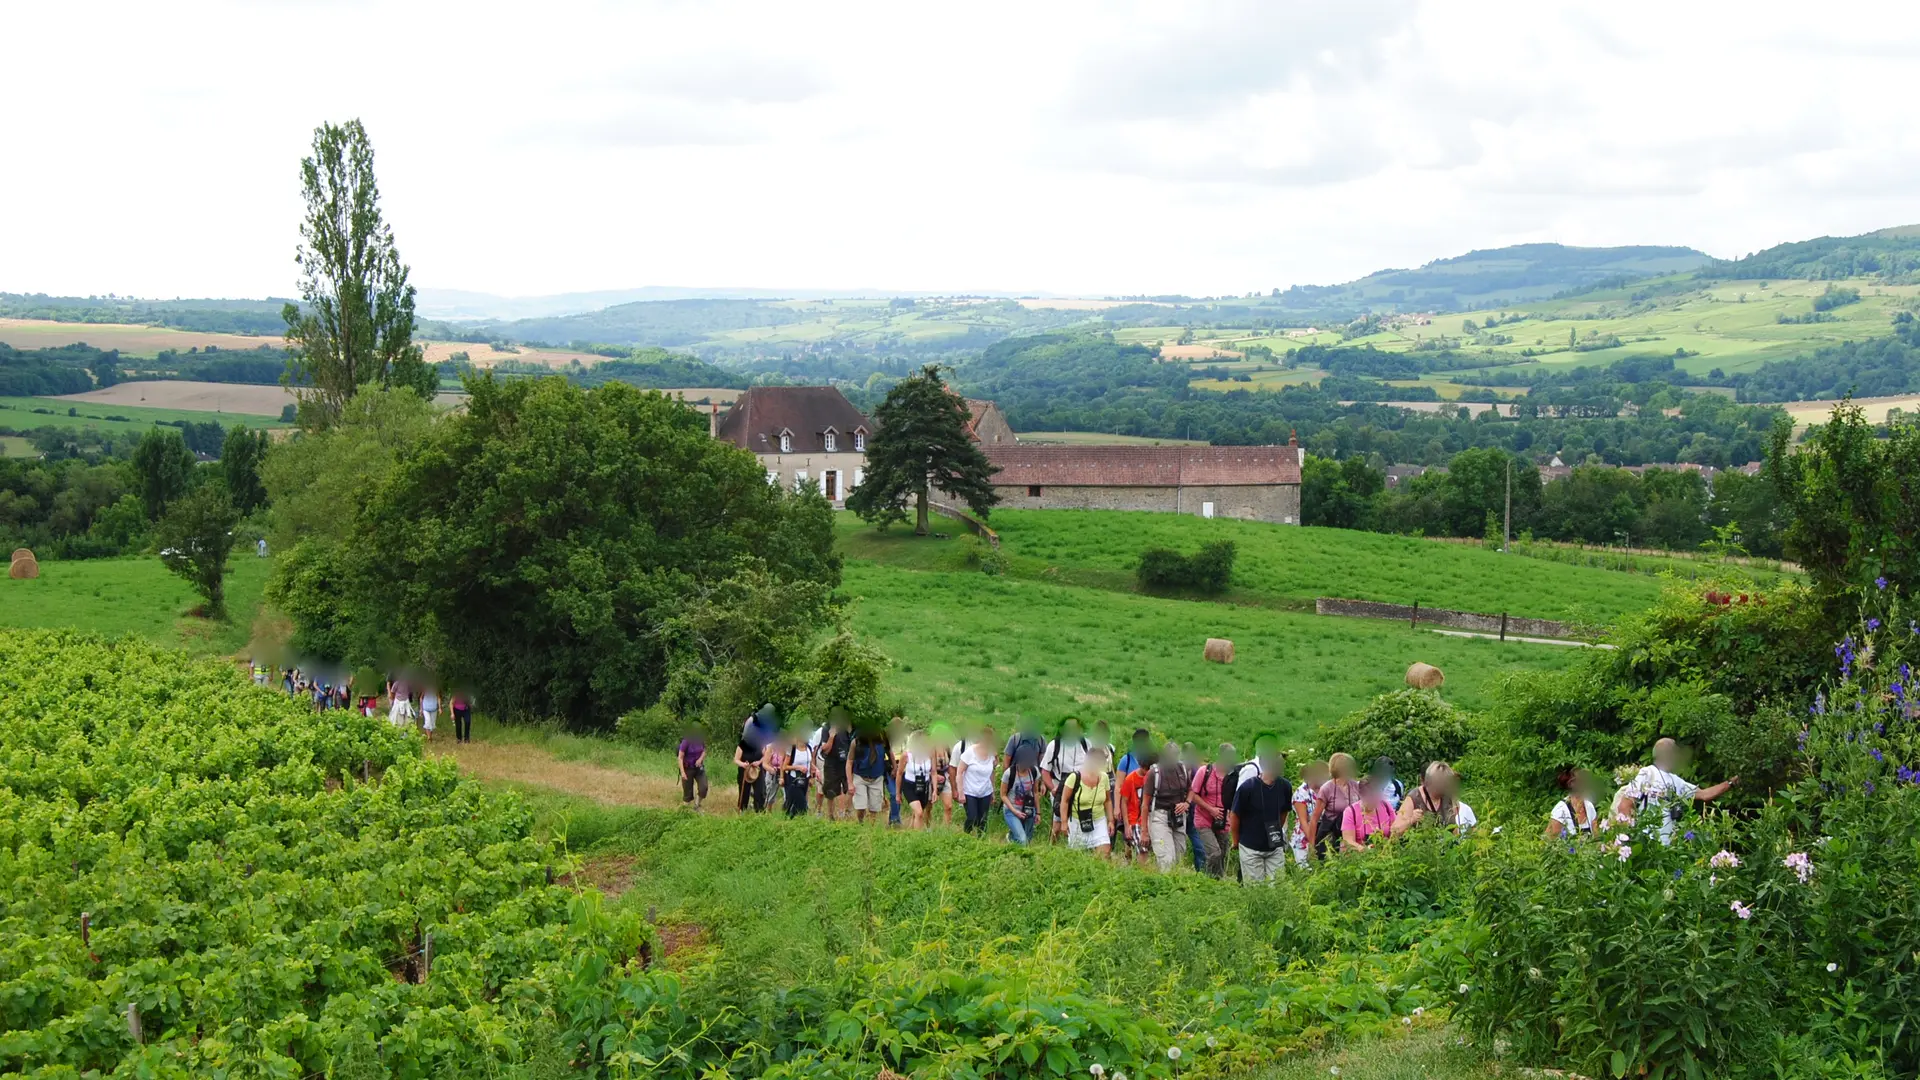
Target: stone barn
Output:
[
  {"x": 1256, "y": 483},
  {"x": 988, "y": 425}
]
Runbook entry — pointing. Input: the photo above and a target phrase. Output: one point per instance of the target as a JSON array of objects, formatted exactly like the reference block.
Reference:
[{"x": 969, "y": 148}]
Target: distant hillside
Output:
[
  {"x": 1495, "y": 277},
  {"x": 205, "y": 316},
  {"x": 1891, "y": 255}
]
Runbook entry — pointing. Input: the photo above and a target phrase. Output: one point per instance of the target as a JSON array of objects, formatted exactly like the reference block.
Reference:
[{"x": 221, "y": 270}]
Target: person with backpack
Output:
[
  {"x": 834, "y": 751},
  {"x": 944, "y": 739},
  {"x": 1166, "y": 808},
  {"x": 1367, "y": 821},
  {"x": 1341, "y": 790},
  {"x": 868, "y": 763},
  {"x": 1391, "y": 789},
  {"x": 1257, "y": 816},
  {"x": 1020, "y": 787},
  {"x": 1061, "y": 759},
  {"x": 1659, "y": 790},
  {"x": 1574, "y": 816},
  {"x": 1088, "y": 796},
  {"x": 796, "y": 774},
  {"x": 913, "y": 776},
  {"x": 973, "y": 763},
  {"x": 1130, "y": 815},
  {"x": 750, "y": 757},
  {"x": 1209, "y": 797},
  {"x": 1190, "y": 757}
]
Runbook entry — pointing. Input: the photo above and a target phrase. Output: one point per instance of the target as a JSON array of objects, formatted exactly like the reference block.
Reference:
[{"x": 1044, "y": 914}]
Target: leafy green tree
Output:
[
  {"x": 164, "y": 467},
  {"x": 195, "y": 537},
  {"x": 356, "y": 324},
  {"x": 240, "y": 456},
  {"x": 1339, "y": 494},
  {"x": 1853, "y": 502},
  {"x": 541, "y": 545},
  {"x": 922, "y": 446}
]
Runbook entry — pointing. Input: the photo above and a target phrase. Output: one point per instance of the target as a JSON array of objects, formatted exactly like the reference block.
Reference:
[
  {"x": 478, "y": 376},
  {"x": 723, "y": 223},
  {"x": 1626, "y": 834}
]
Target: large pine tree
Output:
[{"x": 921, "y": 445}]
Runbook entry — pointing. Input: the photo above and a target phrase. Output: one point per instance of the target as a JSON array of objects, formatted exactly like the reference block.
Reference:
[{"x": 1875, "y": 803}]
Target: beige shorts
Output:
[{"x": 870, "y": 795}]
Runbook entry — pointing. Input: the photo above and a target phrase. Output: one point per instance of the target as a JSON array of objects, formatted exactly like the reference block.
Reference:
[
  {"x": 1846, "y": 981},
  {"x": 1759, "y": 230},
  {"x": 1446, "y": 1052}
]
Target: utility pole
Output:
[{"x": 1506, "y": 541}]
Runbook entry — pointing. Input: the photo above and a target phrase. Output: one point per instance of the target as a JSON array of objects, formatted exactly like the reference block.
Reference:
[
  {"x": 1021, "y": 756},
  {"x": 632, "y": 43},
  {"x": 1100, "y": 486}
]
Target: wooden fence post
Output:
[
  {"x": 426, "y": 956},
  {"x": 133, "y": 1023},
  {"x": 1413, "y": 623},
  {"x": 1503, "y": 626}
]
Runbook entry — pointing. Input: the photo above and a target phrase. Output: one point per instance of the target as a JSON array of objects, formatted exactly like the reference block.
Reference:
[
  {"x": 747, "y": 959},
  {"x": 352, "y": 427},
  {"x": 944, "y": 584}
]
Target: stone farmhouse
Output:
[
  {"x": 801, "y": 434},
  {"x": 988, "y": 425}
]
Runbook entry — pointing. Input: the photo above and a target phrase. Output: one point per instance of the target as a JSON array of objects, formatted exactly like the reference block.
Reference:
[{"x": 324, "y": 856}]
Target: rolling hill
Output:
[{"x": 1493, "y": 277}]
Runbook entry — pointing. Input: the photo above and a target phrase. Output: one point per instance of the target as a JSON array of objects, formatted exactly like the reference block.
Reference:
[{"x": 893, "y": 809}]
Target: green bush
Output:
[
  {"x": 1409, "y": 727},
  {"x": 652, "y": 728},
  {"x": 1209, "y": 570},
  {"x": 1779, "y": 944},
  {"x": 1720, "y": 667}
]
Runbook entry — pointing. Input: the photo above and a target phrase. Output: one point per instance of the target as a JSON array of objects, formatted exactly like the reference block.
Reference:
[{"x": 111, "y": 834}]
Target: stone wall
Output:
[
  {"x": 1277, "y": 503},
  {"x": 1453, "y": 620}
]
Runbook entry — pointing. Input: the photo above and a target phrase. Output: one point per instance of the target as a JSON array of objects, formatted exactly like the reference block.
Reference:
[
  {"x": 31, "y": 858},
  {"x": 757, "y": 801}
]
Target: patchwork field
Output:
[
  {"x": 26, "y": 413},
  {"x": 130, "y": 339},
  {"x": 191, "y": 396},
  {"x": 967, "y": 646},
  {"x": 1876, "y": 408},
  {"x": 1278, "y": 565}
]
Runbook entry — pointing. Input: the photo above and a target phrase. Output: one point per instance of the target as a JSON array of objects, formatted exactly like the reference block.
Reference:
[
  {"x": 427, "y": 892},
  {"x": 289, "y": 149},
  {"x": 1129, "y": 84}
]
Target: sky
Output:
[{"x": 1063, "y": 147}]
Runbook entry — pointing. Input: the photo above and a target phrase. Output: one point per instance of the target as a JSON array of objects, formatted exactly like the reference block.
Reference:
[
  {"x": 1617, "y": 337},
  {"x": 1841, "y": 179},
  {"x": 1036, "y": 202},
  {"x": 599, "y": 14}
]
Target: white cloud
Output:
[{"x": 1075, "y": 146}]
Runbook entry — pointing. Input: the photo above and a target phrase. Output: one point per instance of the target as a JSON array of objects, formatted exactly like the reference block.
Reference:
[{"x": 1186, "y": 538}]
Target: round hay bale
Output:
[
  {"x": 1219, "y": 650},
  {"x": 22, "y": 569},
  {"x": 21, "y": 553},
  {"x": 1425, "y": 677}
]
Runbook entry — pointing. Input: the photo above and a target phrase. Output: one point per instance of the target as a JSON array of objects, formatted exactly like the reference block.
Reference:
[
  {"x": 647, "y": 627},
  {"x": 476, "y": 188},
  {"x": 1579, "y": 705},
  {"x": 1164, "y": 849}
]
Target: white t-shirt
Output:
[
  {"x": 1654, "y": 787},
  {"x": 917, "y": 767},
  {"x": 1064, "y": 761},
  {"x": 801, "y": 758},
  {"x": 1564, "y": 815},
  {"x": 1463, "y": 816},
  {"x": 976, "y": 771}
]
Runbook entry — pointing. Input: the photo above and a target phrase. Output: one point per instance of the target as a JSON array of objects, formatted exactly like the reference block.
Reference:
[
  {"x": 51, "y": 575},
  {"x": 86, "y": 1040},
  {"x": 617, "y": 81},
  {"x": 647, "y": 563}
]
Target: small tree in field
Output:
[
  {"x": 922, "y": 444},
  {"x": 195, "y": 537}
]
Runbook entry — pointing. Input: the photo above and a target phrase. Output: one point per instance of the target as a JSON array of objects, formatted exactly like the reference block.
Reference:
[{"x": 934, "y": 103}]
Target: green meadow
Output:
[
  {"x": 967, "y": 646},
  {"x": 134, "y": 596},
  {"x": 1276, "y": 565}
]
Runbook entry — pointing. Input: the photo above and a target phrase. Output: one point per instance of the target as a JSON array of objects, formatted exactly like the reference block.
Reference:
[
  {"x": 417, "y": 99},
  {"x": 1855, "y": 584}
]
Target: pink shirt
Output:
[
  {"x": 1364, "y": 825},
  {"x": 1208, "y": 781}
]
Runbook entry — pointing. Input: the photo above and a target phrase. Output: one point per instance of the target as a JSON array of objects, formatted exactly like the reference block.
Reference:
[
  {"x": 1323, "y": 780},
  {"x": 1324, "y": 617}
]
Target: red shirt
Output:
[{"x": 1132, "y": 789}]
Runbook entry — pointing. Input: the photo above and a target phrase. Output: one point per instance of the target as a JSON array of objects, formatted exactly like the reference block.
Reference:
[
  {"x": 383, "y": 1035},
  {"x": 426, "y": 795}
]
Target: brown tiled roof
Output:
[
  {"x": 976, "y": 409},
  {"x": 1144, "y": 466},
  {"x": 763, "y": 412}
]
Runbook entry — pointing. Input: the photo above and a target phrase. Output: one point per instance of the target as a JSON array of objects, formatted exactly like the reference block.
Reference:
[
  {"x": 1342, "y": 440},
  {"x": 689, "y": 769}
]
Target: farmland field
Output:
[
  {"x": 968, "y": 646},
  {"x": 1284, "y": 564},
  {"x": 26, "y": 413},
  {"x": 16, "y": 446},
  {"x": 190, "y": 396},
  {"x": 130, "y": 339}
]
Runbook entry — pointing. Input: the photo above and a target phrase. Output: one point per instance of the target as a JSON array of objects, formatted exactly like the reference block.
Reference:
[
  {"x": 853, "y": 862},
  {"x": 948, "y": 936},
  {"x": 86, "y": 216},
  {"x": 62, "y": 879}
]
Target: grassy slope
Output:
[
  {"x": 1279, "y": 564},
  {"x": 970, "y": 646},
  {"x": 134, "y": 596}
]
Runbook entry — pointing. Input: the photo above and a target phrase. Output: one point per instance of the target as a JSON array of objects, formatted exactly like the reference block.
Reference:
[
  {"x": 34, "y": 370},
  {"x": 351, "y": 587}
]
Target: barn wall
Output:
[{"x": 1277, "y": 503}]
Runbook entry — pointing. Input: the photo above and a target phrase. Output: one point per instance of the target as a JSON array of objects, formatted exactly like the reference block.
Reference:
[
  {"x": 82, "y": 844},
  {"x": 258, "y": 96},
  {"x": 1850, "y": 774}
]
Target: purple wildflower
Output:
[
  {"x": 1869, "y": 786},
  {"x": 1872, "y": 625},
  {"x": 1877, "y": 755},
  {"x": 1879, "y": 583}
]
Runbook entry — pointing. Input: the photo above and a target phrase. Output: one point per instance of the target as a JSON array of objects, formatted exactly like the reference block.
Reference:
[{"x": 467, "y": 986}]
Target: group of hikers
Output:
[
  {"x": 1166, "y": 804},
  {"x": 408, "y": 703}
]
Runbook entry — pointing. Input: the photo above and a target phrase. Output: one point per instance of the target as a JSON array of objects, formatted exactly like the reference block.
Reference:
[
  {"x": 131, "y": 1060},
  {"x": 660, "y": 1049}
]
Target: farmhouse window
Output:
[
  {"x": 773, "y": 476},
  {"x": 786, "y": 442},
  {"x": 859, "y": 477},
  {"x": 859, "y": 442},
  {"x": 833, "y": 442},
  {"x": 1033, "y": 491}
]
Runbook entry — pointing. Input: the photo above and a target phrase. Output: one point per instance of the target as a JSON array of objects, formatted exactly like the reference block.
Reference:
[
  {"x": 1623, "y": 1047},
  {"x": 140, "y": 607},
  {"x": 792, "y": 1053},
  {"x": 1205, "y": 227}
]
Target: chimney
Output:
[
  {"x": 1299, "y": 452},
  {"x": 713, "y": 419}
]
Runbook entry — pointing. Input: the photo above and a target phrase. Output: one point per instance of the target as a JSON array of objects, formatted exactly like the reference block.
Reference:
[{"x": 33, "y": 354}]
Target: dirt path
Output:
[{"x": 531, "y": 765}]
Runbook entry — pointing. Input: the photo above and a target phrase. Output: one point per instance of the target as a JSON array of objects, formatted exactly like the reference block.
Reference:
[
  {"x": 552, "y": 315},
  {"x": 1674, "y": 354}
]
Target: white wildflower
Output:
[{"x": 1173, "y": 1053}]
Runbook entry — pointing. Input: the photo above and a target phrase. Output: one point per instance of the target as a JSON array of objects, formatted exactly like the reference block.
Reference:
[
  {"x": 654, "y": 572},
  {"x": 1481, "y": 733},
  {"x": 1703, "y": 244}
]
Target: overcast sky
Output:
[{"x": 1077, "y": 148}]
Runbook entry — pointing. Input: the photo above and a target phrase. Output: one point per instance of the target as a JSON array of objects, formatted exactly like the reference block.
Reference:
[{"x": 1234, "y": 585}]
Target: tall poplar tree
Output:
[
  {"x": 921, "y": 445},
  {"x": 355, "y": 327}
]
